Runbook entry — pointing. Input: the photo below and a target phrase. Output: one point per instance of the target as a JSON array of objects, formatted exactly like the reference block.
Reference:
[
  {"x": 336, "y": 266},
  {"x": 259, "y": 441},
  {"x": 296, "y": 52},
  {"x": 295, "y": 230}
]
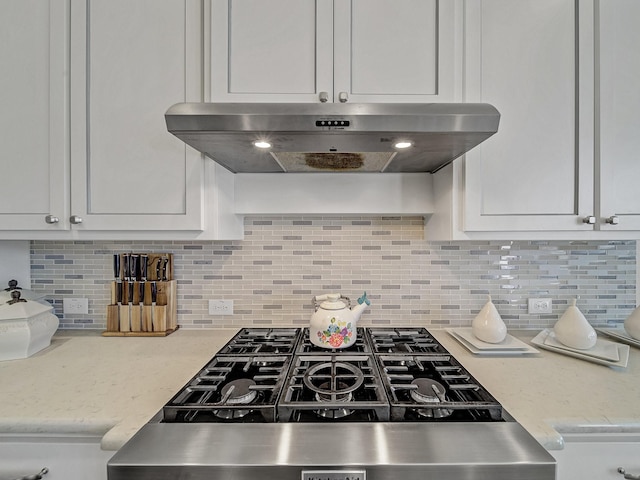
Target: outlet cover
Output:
[
  {"x": 75, "y": 306},
  {"x": 539, "y": 305},
  {"x": 220, "y": 307}
]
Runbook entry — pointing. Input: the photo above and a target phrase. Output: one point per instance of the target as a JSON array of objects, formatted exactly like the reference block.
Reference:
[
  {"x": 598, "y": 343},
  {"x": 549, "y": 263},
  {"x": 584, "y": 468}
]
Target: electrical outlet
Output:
[
  {"x": 220, "y": 307},
  {"x": 539, "y": 305},
  {"x": 79, "y": 306}
]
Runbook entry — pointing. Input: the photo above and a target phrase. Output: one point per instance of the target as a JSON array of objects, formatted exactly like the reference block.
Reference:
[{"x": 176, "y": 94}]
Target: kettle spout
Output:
[{"x": 363, "y": 303}]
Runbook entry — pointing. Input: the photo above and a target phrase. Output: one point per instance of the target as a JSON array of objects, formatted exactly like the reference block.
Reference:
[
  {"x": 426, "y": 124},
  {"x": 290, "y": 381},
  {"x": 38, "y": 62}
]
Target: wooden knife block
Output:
[{"x": 144, "y": 320}]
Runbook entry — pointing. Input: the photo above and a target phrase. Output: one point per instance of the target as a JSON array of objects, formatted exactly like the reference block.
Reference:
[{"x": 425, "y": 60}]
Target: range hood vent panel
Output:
[{"x": 439, "y": 133}]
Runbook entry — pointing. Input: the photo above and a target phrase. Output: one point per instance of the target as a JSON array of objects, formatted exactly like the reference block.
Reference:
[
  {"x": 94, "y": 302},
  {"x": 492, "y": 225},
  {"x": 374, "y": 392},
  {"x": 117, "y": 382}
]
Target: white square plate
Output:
[
  {"x": 509, "y": 343},
  {"x": 623, "y": 351},
  {"x": 603, "y": 349},
  {"x": 620, "y": 334},
  {"x": 492, "y": 351}
]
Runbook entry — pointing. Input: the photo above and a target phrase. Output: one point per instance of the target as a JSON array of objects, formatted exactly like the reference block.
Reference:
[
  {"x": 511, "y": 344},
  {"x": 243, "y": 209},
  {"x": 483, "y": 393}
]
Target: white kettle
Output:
[{"x": 333, "y": 324}]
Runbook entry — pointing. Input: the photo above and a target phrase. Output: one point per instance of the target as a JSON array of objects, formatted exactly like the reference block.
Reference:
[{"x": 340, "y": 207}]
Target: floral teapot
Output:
[{"x": 333, "y": 325}]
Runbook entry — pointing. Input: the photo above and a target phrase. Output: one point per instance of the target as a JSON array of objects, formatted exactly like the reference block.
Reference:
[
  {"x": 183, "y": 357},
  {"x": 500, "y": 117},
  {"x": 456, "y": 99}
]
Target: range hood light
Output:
[
  {"x": 262, "y": 144},
  {"x": 403, "y": 144}
]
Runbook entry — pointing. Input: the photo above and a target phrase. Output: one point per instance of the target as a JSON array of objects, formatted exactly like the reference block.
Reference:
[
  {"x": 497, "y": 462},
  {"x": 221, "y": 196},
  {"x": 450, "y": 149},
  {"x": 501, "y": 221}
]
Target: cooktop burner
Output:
[{"x": 278, "y": 375}]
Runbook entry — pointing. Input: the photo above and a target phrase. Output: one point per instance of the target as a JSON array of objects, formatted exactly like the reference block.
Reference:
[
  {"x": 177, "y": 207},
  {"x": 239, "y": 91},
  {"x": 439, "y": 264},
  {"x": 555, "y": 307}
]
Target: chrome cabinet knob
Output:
[
  {"x": 613, "y": 220},
  {"x": 343, "y": 97},
  {"x": 50, "y": 219},
  {"x": 628, "y": 476},
  {"x": 324, "y": 97},
  {"x": 591, "y": 220},
  {"x": 75, "y": 219}
]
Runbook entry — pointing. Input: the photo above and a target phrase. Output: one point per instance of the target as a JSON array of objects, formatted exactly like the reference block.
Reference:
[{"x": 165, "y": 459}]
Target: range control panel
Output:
[{"x": 334, "y": 475}]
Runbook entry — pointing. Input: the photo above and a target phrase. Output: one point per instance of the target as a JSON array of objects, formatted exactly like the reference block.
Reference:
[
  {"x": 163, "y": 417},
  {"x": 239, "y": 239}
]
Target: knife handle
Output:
[
  {"x": 144, "y": 259},
  {"x": 118, "y": 292},
  {"x": 165, "y": 268},
  {"x": 124, "y": 292},
  {"x": 154, "y": 293},
  {"x": 141, "y": 292},
  {"x": 116, "y": 266},
  {"x": 125, "y": 264},
  {"x": 133, "y": 267}
]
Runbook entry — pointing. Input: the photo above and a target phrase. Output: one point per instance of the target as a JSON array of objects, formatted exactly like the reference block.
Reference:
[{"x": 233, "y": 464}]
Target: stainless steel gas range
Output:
[{"x": 271, "y": 405}]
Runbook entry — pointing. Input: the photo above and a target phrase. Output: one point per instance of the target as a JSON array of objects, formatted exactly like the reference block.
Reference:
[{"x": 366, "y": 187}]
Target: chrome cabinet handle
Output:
[
  {"x": 75, "y": 219},
  {"x": 628, "y": 476},
  {"x": 591, "y": 220},
  {"x": 324, "y": 97},
  {"x": 343, "y": 97},
  {"x": 613, "y": 220},
  {"x": 37, "y": 476},
  {"x": 50, "y": 219}
]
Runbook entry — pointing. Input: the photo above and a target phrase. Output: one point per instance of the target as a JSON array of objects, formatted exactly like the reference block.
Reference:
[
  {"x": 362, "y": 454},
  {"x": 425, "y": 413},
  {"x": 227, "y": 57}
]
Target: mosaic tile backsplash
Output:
[{"x": 283, "y": 262}]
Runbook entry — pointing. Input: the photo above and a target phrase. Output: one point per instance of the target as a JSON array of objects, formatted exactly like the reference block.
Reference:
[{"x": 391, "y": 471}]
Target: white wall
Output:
[{"x": 15, "y": 263}]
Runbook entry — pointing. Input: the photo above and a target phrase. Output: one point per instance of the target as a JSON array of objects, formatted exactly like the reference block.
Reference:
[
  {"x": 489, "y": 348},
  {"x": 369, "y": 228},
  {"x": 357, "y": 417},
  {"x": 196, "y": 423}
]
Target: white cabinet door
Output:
[
  {"x": 401, "y": 51},
  {"x": 619, "y": 71},
  {"x": 67, "y": 457},
  {"x": 130, "y": 62},
  {"x": 352, "y": 50},
  {"x": 275, "y": 51},
  {"x": 597, "y": 456},
  {"x": 533, "y": 60},
  {"x": 34, "y": 88}
]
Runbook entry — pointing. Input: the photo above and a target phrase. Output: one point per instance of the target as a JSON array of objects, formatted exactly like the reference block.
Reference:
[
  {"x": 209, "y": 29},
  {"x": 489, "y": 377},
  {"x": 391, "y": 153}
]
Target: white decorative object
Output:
[
  {"x": 573, "y": 329},
  {"x": 632, "y": 324},
  {"x": 488, "y": 325},
  {"x": 26, "y": 327}
]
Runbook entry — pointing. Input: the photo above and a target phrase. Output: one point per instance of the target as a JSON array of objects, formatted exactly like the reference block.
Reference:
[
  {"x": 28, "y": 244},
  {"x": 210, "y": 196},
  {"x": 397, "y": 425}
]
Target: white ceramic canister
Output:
[
  {"x": 488, "y": 325},
  {"x": 573, "y": 329}
]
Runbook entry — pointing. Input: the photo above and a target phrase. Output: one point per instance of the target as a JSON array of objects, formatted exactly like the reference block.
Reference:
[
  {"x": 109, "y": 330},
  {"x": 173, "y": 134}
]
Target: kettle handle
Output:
[{"x": 318, "y": 299}]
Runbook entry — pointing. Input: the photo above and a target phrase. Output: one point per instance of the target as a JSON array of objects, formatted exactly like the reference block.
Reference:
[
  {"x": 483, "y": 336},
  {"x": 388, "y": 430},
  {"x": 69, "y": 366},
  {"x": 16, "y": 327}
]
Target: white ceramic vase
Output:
[
  {"x": 632, "y": 324},
  {"x": 573, "y": 329},
  {"x": 488, "y": 325}
]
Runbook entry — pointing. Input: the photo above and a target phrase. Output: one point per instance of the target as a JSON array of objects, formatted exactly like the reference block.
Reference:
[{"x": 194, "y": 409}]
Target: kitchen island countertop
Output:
[{"x": 110, "y": 386}]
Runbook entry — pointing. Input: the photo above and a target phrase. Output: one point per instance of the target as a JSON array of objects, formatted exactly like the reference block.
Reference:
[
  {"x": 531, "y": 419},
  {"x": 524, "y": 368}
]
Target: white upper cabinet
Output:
[
  {"x": 533, "y": 61},
  {"x": 34, "y": 86},
  {"x": 619, "y": 120},
  {"x": 333, "y": 50},
  {"x": 564, "y": 160},
  {"x": 130, "y": 62}
]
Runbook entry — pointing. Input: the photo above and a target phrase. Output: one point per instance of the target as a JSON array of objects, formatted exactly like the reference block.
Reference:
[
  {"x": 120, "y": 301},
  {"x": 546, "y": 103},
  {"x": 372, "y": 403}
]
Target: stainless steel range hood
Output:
[{"x": 332, "y": 137}]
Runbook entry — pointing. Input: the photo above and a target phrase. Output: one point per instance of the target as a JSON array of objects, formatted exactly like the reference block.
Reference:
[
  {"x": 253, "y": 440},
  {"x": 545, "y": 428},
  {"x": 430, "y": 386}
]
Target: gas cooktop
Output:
[
  {"x": 270, "y": 404},
  {"x": 278, "y": 375}
]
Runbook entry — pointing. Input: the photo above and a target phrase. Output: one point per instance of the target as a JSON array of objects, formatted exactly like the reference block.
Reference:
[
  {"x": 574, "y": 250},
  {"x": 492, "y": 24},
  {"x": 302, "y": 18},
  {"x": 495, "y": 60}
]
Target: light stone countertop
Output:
[{"x": 111, "y": 386}]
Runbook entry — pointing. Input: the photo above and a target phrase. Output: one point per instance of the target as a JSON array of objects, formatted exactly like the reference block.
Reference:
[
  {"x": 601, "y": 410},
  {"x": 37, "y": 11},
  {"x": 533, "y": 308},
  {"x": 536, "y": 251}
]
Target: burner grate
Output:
[
  {"x": 333, "y": 386},
  {"x": 361, "y": 345},
  {"x": 403, "y": 341},
  {"x": 214, "y": 393},
  {"x": 258, "y": 341},
  {"x": 466, "y": 399}
]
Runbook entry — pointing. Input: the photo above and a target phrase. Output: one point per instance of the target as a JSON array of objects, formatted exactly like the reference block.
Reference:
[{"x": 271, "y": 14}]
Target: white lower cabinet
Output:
[
  {"x": 67, "y": 457},
  {"x": 598, "y": 456}
]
